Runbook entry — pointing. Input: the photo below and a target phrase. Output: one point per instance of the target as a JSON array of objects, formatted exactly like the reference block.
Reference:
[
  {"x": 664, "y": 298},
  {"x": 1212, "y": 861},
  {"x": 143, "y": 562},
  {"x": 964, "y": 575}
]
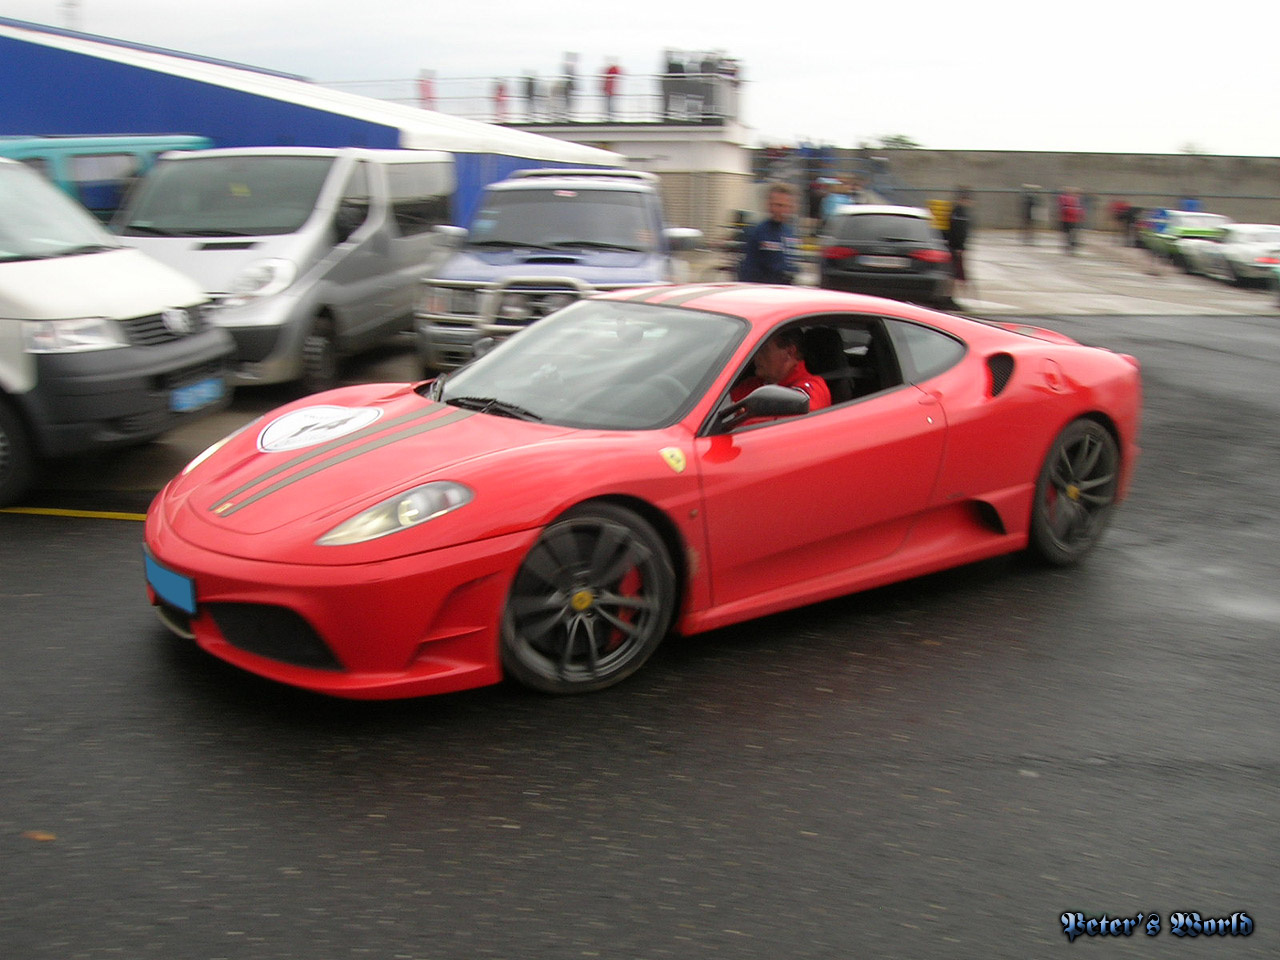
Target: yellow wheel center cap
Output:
[
  {"x": 1073, "y": 492},
  {"x": 582, "y": 600}
]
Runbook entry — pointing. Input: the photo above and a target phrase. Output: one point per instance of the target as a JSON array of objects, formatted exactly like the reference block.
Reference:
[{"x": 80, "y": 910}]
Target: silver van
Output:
[
  {"x": 308, "y": 254},
  {"x": 100, "y": 345}
]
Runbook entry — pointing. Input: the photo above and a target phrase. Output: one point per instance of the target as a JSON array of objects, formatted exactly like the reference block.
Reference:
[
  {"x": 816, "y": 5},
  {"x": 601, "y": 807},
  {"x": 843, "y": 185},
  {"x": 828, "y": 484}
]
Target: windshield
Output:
[
  {"x": 564, "y": 218},
  {"x": 226, "y": 196},
  {"x": 601, "y": 364},
  {"x": 39, "y": 221}
]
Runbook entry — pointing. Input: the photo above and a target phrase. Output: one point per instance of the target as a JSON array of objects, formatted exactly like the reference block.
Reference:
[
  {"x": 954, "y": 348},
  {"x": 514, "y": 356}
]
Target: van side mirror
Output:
[
  {"x": 449, "y": 235},
  {"x": 682, "y": 238},
  {"x": 348, "y": 219}
]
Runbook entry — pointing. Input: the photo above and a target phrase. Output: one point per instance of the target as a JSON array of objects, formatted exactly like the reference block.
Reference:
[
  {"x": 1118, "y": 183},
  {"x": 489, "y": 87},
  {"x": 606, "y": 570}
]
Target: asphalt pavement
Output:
[{"x": 1009, "y": 278}]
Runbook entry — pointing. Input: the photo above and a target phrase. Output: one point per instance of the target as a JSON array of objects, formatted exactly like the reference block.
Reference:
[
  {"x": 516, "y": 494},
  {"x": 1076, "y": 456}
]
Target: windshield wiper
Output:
[
  {"x": 85, "y": 248},
  {"x": 131, "y": 229},
  {"x": 493, "y": 405},
  {"x": 596, "y": 245},
  {"x": 508, "y": 243}
]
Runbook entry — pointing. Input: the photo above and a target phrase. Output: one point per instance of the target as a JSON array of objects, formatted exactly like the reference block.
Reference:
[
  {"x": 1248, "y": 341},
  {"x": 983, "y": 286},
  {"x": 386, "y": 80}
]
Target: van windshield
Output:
[
  {"x": 38, "y": 221},
  {"x": 560, "y": 219},
  {"x": 225, "y": 196}
]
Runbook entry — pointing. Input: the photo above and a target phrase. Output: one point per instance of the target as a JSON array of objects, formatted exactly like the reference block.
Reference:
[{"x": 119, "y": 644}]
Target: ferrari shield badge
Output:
[
  {"x": 312, "y": 425},
  {"x": 674, "y": 457}
]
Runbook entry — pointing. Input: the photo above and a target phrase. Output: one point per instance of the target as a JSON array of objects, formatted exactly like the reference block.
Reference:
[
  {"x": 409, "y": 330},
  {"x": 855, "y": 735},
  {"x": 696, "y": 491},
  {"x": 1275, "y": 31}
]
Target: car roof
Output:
[
  {"x": 882, "y": 208},
  {"x": 763, "y": 305}
]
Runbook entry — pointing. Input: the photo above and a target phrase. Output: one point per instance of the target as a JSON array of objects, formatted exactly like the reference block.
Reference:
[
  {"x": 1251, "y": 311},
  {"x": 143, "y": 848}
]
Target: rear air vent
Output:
[{"x": 1000, "y": 367}]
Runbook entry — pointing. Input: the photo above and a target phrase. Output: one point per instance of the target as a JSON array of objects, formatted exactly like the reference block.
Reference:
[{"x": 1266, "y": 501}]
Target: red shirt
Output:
[{"x": 799, "y": 379}]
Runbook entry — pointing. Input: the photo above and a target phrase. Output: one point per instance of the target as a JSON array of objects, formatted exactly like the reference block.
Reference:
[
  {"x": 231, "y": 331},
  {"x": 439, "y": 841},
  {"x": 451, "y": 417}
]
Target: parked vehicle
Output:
[
  {"x": 551, "y": 511},
  {"x": 541, "y": 240},
  {"x": 890, "y": 251},
  {"x": 308, "y": 254},
  {"x": 96, "y": 170},
  {"x": 100, "y": 345},
  {"x": 1240, "y": 252},
  {"x": 1162, "y": 229}
]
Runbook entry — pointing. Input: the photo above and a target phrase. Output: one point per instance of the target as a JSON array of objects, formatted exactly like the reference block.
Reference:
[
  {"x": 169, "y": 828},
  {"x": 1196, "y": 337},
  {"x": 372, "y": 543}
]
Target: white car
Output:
[{"x": 1242, "y": 252}]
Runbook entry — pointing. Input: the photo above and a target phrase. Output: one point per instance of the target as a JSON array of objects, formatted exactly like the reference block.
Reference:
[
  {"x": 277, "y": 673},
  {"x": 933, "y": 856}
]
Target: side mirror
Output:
[
  {"x": 348, "y": 219},
  {"x": 449, "y": 235},
  {"x": 682, "y": 238},
  {"x": 770, "y": 400}
]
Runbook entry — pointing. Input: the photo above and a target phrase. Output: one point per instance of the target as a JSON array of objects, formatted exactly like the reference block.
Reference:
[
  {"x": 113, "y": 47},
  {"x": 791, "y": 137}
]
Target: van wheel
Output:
[
  {"x": 320, "y": 356},
  {"x": 17, "y": 458}
]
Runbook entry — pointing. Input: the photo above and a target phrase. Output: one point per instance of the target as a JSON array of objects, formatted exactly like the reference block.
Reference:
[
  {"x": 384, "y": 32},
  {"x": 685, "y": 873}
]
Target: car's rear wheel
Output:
[
  {"x": 1075, "y": 492},
  {"x": 591, "y": 602}
]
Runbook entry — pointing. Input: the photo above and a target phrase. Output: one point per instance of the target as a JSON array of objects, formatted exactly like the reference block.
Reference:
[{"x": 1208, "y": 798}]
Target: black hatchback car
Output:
[{"x": 888, "y": 251}]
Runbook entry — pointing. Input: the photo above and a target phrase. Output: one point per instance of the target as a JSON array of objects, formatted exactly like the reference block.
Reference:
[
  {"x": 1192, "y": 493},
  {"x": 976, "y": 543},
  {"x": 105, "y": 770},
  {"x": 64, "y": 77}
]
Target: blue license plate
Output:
[
  {"x": 173, "y": 588},
  {"x": 196, "y": 395}
]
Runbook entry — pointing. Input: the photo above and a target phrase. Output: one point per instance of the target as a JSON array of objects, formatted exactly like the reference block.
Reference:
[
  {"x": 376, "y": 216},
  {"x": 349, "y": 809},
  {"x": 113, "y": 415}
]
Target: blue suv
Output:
[{"x": 541, "y": 240}]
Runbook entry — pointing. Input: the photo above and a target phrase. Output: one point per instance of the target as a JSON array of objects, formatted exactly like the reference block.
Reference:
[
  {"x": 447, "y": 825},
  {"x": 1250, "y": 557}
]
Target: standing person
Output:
[
  {"x": 1028, "y": 203},
  {"x": 531, "y": 95},
  {"x": 567, "y": 83},
  {"x": 609, "y": 87},
  {"x": 768, "y": 248},
  {"x": 1070, "y": 216},
  {"x": 959, "y": 226},
  {"x": 499, "y": 100}
]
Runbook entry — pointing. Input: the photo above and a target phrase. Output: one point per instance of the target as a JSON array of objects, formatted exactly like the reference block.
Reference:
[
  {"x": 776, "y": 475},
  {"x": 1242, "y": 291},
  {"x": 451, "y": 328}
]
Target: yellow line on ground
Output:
[{"x": 91, "y": 514}]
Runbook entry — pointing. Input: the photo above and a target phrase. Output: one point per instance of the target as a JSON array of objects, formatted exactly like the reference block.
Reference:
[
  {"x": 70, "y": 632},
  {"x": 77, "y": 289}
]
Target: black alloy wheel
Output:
[
  {"x": 1075, "y": 492},
  {"x": 591, "y": 602}
]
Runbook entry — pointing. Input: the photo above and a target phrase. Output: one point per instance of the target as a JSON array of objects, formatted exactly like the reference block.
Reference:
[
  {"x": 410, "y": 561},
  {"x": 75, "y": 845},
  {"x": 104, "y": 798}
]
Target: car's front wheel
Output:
[
  {"x": 17, "y": 458},
  {"x": 591, "y": 602},
  {"x": 1075, "y": 492}
]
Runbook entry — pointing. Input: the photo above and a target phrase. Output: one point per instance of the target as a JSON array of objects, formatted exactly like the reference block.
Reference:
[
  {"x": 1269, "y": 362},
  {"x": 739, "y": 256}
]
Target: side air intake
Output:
[{"x": 1000, "y": 366}]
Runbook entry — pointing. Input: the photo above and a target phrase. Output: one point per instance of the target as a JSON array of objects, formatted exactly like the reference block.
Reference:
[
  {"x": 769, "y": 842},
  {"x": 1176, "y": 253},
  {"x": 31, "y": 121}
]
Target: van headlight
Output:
[
  {"x": 262, "y": 278},
  {"x": 72, "y": 336},
  {"x": 400, "y": 512}
]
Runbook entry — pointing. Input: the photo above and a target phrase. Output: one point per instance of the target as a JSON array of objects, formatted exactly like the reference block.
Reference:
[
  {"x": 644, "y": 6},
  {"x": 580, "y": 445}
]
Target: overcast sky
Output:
[{"x": 1094, "y": 75}]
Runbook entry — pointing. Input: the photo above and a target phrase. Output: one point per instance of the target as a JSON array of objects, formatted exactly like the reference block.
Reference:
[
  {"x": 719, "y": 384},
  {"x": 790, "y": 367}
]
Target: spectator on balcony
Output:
[{"x": 609, "y": 82}]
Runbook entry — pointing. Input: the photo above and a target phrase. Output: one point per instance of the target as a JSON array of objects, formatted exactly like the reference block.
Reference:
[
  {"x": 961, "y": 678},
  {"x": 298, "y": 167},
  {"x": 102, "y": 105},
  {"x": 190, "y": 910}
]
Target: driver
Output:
[{"x": 780, "y": 360}]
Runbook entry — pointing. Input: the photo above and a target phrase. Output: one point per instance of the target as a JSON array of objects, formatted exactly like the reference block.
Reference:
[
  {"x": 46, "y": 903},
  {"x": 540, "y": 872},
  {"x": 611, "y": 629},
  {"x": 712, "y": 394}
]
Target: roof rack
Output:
[{"x": 584, "y": 172}]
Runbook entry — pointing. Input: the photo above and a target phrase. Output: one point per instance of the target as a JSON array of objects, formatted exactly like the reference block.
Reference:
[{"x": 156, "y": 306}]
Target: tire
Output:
[
  {"x": 1075, "y": 493},
  {"x": 320, "y": 356},
  {"x": 17, "y": 456},
  {"x": 591, "y": 602}
]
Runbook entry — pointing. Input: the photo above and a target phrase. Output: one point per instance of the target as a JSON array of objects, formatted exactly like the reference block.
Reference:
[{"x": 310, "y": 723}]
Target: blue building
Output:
[{"x": 61, "y": 82}]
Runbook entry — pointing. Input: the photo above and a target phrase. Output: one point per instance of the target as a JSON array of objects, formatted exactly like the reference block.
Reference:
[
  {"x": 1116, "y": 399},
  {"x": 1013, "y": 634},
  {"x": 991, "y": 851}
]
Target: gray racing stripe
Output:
[{"x": 226, "y": 507}]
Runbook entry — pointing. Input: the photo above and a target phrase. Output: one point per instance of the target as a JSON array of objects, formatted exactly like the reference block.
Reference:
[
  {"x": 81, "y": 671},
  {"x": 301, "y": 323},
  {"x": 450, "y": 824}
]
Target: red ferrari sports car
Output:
[{"x": 553, "y": 510}]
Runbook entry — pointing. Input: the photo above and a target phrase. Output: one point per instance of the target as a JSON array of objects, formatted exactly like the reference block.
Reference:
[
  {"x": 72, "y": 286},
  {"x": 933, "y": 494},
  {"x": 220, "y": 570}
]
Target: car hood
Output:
[
  {"x": 595, "y": 267},
  {"x": 314, "y": 463}
]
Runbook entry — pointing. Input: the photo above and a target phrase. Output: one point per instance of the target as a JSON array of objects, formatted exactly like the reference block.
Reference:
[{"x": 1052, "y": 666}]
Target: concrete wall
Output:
[{"x": 1247, "y": 189}]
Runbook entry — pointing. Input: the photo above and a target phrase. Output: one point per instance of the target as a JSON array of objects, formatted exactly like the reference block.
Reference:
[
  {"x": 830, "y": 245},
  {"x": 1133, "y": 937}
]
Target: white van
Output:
[
  {"x": 100, "y": 345},
  {"x": 308, "y": 254}
]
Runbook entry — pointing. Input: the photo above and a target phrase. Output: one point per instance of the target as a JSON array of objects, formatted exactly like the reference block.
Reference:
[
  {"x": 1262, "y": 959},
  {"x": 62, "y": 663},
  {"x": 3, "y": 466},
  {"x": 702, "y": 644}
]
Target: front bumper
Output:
[
  {"x": 110, "y": 398},
  {"x": 407, "y": 627}
]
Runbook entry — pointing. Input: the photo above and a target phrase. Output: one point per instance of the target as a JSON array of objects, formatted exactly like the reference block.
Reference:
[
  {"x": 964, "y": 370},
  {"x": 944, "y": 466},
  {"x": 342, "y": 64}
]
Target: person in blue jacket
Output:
[{"x": 768, "y": 248}]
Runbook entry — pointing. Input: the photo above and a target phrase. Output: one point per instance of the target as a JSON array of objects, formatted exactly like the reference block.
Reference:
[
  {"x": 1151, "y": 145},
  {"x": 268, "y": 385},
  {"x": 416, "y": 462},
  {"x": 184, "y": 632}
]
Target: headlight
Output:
[
  {"x": 401, "y": 512},
  {"x": 262, "y": 278},
  {"x": 72, "y": 336},
  {"x": 457, "y": 301}
]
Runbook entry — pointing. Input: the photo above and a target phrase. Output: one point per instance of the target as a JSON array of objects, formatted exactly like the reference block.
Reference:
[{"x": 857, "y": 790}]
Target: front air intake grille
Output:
[
  {"x": 1001, "y": 368},
  {"x": 155, "y": 328},
  {"x": 275, "y": 632}
]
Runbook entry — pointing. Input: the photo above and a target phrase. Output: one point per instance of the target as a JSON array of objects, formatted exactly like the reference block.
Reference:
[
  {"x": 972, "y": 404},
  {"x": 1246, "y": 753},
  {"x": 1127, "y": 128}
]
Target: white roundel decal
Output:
[{"x": 312, "y": 425}]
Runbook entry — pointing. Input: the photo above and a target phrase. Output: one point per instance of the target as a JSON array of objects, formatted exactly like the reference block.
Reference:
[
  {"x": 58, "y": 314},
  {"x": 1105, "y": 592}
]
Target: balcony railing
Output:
[{"x": 675, "y": 98}]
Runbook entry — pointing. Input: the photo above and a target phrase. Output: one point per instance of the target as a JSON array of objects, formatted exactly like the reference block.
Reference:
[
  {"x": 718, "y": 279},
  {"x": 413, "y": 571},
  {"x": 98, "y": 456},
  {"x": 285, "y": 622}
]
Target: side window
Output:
[
  {"x": 928, "y": 352},
  {"x": 853, "y": 354},
  {"x": 353, "y": 208},
  {"x": 102, "y": 179},
  {"x": 416, "y": 201}
]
